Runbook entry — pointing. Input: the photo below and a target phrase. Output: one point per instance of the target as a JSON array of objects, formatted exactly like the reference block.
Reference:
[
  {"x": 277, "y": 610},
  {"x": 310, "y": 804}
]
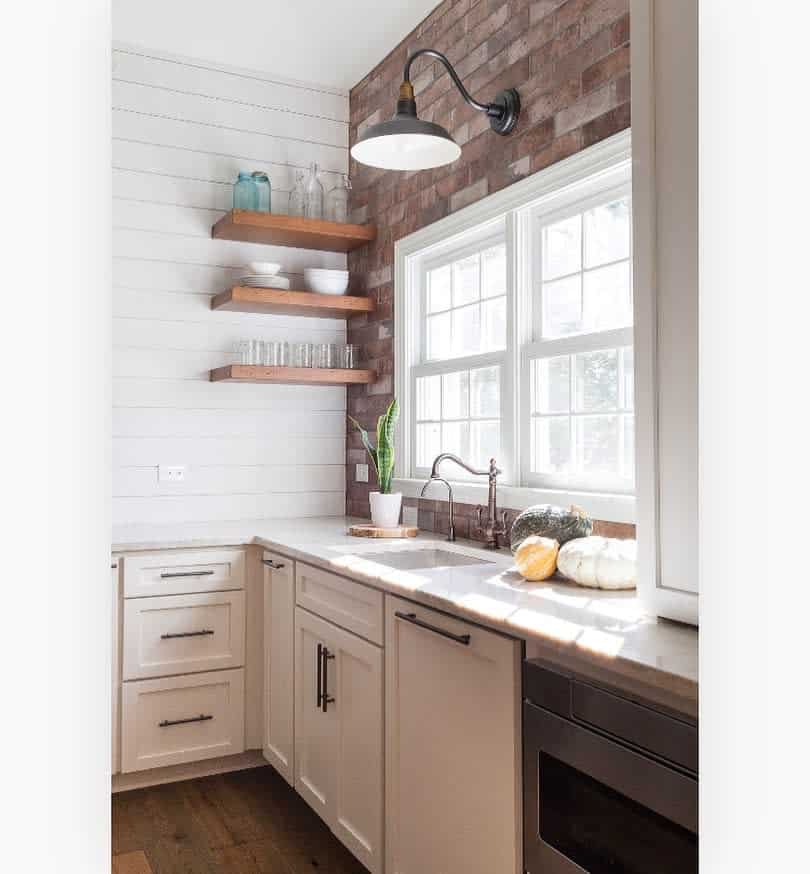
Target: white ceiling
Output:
[{"x": 328, "y": 42}]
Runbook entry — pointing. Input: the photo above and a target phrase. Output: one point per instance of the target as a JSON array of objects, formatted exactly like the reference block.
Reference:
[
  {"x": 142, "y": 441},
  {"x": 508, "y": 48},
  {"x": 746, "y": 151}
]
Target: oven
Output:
[{"x": 610, "y": 786}]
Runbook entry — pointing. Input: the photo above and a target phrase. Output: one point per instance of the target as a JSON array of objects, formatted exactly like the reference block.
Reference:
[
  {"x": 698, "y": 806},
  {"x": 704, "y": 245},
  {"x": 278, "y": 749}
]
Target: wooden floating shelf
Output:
[
  {"x": 291, "y": 375},
  {"x": 248, "y": 226},
  {"x": 294, "y": 303}
]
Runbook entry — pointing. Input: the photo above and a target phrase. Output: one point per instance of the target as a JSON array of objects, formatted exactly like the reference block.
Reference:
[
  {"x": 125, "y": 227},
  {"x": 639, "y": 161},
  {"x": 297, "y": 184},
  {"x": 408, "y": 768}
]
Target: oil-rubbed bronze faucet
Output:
[{"x": 495, "y": 526}]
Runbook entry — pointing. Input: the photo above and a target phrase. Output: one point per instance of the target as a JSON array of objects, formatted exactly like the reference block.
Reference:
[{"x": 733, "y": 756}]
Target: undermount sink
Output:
[{"x": 421, "y": 559}]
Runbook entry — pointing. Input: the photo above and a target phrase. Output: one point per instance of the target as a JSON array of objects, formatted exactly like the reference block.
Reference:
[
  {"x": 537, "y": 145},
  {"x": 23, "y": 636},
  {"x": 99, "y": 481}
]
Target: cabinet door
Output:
[
  {"x": 452, "y": 731},
  {"x": 315, "y": 730},
  {"x": 356, "y": 686},
  {"x": 115, "y": 724},
  {"x": 279, "y": 662},
  {"x": 665, "y": 295}
]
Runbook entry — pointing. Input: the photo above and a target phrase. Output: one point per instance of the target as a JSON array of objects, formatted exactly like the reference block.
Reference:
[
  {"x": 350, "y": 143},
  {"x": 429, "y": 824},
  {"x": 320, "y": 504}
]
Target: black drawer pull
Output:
[
  {"x": 167, "y": 576},
  {"x": 276, "y": 565},
  {"x": 414, "y": 620},
  {"x": 201, "y": 718},
  {"x": 202, "y": 633},
  {"x": 326, "y": 698}
]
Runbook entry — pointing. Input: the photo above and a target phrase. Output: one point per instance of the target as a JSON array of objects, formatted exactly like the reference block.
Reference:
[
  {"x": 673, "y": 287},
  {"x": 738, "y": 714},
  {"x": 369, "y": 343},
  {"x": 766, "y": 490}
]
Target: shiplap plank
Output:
[
  {"x": 142, "y": 482},
  {"x": 160, "y": 422},
  {"x": 169, "y": 306},
  {"x": 180, "y": 249},
  {"x": 225, "y": 508},
  {"x": 169, "y": 363},
  {"x": 197, "y": 78},
  {"x": 214, "y": 336},
  {"x": 204, "y": 395},
  {"x": 172, "y": 190},
  {"x": 205, "y": 109},
  {"x": 202, "y": 167},
  {"x": 261, "y": 150},
  {"x": 277, "y": 448},
  {"x": 144, "y": 273},
  {"x": 191, "y": 221}
]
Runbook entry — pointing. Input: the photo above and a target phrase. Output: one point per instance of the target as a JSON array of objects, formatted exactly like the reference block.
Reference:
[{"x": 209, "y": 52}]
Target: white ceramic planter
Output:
[{"x": 385, "y": 509}]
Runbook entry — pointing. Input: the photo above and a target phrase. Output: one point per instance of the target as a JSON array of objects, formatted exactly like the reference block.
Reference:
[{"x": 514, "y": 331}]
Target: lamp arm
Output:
[{"x": 491, "y": 109}]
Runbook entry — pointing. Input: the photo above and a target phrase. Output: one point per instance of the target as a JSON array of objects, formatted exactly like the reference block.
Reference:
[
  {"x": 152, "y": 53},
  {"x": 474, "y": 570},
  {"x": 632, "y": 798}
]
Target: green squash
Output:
[{"x": 546, "y": 520}]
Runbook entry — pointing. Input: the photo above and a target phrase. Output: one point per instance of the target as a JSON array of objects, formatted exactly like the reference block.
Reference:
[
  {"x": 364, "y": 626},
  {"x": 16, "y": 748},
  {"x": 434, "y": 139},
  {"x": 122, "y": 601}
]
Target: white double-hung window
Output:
[{"x": 514, "y": 339}]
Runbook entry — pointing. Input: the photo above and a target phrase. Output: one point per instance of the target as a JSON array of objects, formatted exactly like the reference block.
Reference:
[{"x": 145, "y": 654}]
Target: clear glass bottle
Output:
[
  {"x": 313, "y": 199},
  {"x": 245, "y": 192},
  {"x": 262, "y": 183},
  {"x": 296, "y": 205},
  {"x": 337, "y": 201}
]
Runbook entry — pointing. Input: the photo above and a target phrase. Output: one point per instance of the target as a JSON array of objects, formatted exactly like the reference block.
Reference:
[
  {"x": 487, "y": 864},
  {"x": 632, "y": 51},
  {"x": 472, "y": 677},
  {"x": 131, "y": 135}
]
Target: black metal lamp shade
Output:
[{"x": 407, "y": 143}]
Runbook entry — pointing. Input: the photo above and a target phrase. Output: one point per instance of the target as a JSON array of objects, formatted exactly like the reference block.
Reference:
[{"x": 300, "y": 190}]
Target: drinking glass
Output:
[
  {"x": 350, "y": 356},
  {"x": 325, "y": 355},
  {"x": 302, "y": 355},
  {"x": 242, "y": 349}
]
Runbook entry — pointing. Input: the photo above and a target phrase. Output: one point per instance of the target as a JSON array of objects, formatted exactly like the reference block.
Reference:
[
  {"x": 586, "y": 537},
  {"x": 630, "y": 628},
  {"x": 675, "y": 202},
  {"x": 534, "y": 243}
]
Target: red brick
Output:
[{"x": 610, "y": 67}]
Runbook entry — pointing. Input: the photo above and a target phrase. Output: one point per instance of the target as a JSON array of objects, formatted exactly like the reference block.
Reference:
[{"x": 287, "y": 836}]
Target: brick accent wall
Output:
[{"x": 569, "y": 60}]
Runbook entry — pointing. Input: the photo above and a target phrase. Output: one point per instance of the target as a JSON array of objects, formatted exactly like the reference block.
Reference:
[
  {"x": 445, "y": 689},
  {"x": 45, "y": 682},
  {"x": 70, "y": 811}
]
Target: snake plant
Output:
[{"x": 382, "y": 455}]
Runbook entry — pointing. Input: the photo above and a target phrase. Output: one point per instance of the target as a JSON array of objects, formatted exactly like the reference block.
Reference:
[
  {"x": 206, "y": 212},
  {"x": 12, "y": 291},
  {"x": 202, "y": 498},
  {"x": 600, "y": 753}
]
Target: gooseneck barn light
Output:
[{"x": 407, "y": 143}]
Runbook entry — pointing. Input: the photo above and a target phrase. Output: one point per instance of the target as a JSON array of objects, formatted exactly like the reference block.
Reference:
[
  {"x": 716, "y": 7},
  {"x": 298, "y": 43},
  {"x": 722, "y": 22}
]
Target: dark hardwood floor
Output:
[{"x": 246, "y": 822}]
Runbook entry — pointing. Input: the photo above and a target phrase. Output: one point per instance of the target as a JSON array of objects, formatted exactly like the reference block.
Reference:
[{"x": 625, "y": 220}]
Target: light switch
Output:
[
  {"x": 361, "y": 473},
  {"x": 175, "y": 473}
]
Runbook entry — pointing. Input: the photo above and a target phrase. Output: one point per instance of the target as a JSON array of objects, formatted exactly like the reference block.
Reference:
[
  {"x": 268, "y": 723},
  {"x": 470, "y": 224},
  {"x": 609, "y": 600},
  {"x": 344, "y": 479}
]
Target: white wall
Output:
[{"x": 181, "y": 131}]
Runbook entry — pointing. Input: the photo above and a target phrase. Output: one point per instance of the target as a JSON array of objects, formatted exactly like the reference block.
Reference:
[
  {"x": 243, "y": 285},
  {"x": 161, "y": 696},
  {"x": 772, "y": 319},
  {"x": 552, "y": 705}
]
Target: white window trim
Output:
[{"x": 601, "y": 166}]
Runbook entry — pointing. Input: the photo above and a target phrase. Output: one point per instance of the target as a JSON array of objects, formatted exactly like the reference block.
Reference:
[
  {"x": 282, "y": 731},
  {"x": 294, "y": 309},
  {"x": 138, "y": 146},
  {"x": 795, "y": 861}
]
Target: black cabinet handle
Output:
[
  {"x": 276, "y": 565},
  {"x": 167, "y": 576},
  {"x": 326, "y": 698},
  {"x": 414, "y": 620},
  {"x": 202, "y": 633},
  {"x": 319, "y": 675},
  {"x": 201, "y": 718}
]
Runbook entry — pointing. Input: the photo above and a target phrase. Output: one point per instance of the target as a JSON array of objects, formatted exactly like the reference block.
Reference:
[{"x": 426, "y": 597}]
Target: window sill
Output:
[{"x": 605, "y": 507}]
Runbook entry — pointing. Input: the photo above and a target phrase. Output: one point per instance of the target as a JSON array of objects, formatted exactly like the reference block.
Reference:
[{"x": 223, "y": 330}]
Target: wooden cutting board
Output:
[{"x": 373, "y": 531}]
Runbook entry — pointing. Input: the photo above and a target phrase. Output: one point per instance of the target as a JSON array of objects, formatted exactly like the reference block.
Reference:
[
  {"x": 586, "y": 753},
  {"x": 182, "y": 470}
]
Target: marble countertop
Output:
[{"x": 603, "y": 635}]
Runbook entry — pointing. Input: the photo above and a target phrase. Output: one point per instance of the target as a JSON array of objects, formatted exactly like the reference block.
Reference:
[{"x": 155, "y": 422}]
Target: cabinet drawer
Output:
[
  {"x": 183, "y": 571},
  {"x": 182, "y": 719},
  {"x": 181, "y": 634},
  {"x": 344, "y": 602}
]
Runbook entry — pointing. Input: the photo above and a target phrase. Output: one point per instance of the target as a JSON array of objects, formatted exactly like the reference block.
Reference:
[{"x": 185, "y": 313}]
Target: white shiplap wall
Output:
[{"x": 181, "y": 131}]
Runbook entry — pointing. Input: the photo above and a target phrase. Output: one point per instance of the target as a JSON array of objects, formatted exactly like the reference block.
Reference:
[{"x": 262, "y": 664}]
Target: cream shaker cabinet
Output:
[
  {"x": 452, "y": 751},
  {"x": 116, "y": 666},
  {"x": 666, "y": 302},
  {"x": 339, "y": 733},
  {"x": 279, "y": 645}
]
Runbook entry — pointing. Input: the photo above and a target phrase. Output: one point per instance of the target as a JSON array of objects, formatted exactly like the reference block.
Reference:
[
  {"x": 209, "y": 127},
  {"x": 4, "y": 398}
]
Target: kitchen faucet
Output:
[{"x": 495, "y": 527}]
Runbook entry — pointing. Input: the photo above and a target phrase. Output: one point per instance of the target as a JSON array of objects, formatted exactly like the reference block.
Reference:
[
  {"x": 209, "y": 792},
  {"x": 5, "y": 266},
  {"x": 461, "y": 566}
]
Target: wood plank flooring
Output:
[{"x": 245, "y": 822}]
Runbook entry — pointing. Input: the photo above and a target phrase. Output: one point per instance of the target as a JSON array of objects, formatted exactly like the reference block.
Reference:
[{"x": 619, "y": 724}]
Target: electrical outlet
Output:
[
  {"x": 361, "y": 473},
  {"x": 171, "y": 473}
]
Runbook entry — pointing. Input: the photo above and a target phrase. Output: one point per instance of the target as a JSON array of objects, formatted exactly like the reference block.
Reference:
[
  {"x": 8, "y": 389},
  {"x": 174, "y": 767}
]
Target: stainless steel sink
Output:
[{"x": 422, "y": 559}]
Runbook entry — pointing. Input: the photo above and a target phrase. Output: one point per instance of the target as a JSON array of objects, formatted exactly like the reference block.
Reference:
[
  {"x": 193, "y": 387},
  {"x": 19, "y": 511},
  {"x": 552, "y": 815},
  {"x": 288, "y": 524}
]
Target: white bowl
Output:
[
  {"x": 327, "y": 281},
  {"x": 264, "y": 268}
]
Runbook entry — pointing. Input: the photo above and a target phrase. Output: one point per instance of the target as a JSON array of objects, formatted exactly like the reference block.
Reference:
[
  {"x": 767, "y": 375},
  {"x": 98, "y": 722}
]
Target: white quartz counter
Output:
[{"x": 602, "y": 635}]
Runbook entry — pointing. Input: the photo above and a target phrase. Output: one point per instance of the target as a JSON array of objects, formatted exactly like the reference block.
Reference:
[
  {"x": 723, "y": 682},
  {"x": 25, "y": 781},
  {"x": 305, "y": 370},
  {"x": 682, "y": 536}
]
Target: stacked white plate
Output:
[
  {"x": 262, "y": 280},
  {"x": 326, "y": 281},
  {"x": 263, "y": 275}
]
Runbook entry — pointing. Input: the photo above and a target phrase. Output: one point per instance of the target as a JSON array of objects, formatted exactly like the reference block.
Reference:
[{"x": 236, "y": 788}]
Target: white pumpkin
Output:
[{"x": 599, "y": 562}]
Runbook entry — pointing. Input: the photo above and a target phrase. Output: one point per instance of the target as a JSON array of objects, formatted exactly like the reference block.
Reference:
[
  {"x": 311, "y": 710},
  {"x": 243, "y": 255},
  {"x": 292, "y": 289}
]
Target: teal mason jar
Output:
[
  {"x": 262, "y": 183},
  {"x": 245, "y": 192}
]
